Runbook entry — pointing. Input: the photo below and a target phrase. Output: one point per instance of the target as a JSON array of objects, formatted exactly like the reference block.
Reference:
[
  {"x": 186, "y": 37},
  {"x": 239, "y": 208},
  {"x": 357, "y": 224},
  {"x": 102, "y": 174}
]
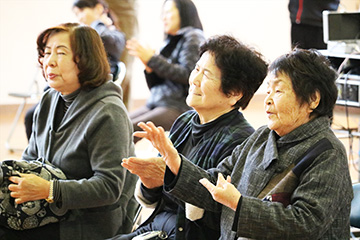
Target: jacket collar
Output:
[{"x": 299, "y": 134}]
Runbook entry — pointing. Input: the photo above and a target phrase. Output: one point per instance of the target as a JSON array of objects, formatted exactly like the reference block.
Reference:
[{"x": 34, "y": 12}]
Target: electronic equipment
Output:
[
  {"x": 348, "y": 90},
  {"x": 342, "y": 31}
]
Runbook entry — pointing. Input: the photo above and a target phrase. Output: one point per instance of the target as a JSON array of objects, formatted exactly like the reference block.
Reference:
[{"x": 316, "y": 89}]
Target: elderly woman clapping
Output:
[
  {"x": 296, "y": 152},
  {"x": 224, "y": 79}
]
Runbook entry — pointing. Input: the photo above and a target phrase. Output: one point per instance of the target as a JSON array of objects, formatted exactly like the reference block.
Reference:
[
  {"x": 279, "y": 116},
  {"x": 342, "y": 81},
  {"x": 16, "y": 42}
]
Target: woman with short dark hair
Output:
[{"x": 206, "y": 135}]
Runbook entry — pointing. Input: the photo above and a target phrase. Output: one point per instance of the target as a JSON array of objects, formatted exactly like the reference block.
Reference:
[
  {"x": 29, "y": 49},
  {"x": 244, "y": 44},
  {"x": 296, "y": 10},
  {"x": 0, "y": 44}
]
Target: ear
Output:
[
  {"x": 99, "y": 8},
  {"x": 234, "y": 97},
  {"x": 315, "y": 100}
]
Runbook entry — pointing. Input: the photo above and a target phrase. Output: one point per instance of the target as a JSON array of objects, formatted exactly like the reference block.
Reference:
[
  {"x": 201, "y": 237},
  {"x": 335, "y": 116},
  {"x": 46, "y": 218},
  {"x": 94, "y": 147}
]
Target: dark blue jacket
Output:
[
  {"x": 309, "y": 12},
  {"x": 214, "y": 141},
  {"x": 168, "y": 83}
]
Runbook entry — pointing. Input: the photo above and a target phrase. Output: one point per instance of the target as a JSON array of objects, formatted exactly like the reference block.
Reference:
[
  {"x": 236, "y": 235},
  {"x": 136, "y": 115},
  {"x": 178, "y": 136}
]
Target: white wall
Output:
[
  {"x": 20, "y": 23},
  {"x": 263, "y": 24}
]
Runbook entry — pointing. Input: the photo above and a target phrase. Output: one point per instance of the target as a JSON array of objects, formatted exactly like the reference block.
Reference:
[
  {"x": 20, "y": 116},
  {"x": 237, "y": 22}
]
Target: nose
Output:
[
  {"x": 51, "y": 60},
  {"x": 195, "y": 78},
  {"x": 268, "y": 100}
]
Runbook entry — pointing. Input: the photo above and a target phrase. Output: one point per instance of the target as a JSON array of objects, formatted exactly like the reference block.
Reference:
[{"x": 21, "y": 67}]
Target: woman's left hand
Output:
[
  {"x": 224, "y": 192},
  {"x": 158, "y": 138},
  {"x": 28, "y": 187}
]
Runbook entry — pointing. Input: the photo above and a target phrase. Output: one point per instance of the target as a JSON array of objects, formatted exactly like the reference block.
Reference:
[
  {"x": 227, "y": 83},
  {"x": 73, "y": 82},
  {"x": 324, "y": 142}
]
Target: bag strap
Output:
[{"x": 293, "y": 172}]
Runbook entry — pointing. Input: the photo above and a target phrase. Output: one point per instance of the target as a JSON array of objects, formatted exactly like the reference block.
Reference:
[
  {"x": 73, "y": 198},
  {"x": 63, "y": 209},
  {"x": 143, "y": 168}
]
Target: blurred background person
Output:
[
  {"x": 223, "y": 81},
  {"x": 82, "y": 127},
  {"x": 96, "y": 14},
  {"x": 124, "y": 14},
  {"x": 167, "y": 73},
  {"x": 307, "y": 22}
]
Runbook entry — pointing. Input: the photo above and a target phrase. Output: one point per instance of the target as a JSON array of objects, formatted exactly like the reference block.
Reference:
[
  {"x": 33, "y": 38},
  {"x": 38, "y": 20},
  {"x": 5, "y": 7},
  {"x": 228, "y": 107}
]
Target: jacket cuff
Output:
[
  {"x": 237, "y": 213},
  {"x": 140, "y": 189}
]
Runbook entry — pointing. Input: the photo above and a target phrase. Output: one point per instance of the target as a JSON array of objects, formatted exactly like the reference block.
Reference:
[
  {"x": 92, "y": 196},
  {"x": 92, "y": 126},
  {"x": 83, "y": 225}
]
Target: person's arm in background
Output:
[
  {"x": 187, "y": 58},
  {"x": 114, "y": 40}
]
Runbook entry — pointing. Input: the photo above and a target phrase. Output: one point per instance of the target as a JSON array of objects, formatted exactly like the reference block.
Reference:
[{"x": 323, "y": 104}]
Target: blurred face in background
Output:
[
  {"x": 61, "y": 72},
  {"x": 171, "y": 18},
  {"x": 88, "y": 15}
]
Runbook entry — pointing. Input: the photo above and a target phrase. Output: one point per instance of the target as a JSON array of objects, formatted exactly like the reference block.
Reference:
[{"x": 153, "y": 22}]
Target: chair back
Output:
[
  {"x": 121, "y": 73},
  {"x": 355, "y": 207}
]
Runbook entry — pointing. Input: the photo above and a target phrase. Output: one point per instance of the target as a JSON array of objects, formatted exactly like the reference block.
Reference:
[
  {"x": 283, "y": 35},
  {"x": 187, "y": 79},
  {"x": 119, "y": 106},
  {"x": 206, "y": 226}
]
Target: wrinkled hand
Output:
[
  {"x": 224, "y": 192},
  {"x": 28, "y": 187},
  {"x": 158, "y": 138},
  {"x": 144, "y": 53},
  {"x": 150, "y": 170}
]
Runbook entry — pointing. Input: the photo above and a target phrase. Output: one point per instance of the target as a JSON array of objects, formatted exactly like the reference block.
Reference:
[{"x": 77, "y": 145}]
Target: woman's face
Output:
[
  {"x": 171, "y": 18},
  {"x": 283, "y": 110},
  {"x": 61, "y": 72},
  {"x": 205, "y": 94},
  {"x": 87, "y": 15}
]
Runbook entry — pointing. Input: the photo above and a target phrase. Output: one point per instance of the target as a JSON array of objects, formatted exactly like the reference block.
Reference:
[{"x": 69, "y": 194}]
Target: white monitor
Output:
[{"x": 341, "y": 26}]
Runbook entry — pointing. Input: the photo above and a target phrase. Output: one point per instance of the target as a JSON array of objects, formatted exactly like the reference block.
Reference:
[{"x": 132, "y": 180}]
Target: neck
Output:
[{"x": 206, "y": 117}]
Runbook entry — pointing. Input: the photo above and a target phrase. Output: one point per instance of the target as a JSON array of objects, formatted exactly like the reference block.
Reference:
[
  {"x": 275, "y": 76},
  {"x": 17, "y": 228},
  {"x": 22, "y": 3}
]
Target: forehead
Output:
[
  {"x": 59, "y": 38},
  {"x": 274, "y": 79},
  {"x": 169, "y": 5},
  {"x": 207, "y": 59}
]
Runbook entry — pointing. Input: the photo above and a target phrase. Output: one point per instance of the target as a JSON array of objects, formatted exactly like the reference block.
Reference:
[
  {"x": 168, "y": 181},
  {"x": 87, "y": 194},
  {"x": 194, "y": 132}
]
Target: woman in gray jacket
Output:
[
  {"x": 167, "y": 73},
  {"x": 82, "y": 127}
]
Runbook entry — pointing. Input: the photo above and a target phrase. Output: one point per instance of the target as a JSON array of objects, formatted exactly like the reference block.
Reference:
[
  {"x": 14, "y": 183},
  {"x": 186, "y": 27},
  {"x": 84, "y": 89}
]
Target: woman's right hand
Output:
[
  {"x": 144, "y": 53},
  {"x": 28, "y": 187},
  {"x": 158, "y": 138},
  {"x": 150, "y": 170},
  {"x": 224, "y": 192}
]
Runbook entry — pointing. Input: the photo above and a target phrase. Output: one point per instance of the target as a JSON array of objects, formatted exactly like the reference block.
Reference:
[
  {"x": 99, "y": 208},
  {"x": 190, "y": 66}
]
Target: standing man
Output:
[{"x": 307, "y": 24}]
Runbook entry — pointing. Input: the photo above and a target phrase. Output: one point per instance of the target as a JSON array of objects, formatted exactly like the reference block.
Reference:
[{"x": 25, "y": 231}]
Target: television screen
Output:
[{"x": 339, "y": 26}]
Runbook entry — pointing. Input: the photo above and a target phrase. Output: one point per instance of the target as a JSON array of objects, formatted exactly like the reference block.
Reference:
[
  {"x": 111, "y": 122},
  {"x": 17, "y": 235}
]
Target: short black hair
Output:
[
  {"x": 89, "y": 3},
  {"x": 243, "y": 69},
  {"x": 309, "y": 72}
]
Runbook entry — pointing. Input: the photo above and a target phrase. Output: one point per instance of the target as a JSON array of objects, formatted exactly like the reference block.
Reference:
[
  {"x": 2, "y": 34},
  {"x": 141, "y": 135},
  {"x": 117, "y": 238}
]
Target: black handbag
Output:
[{"x": 30, "y": 214}]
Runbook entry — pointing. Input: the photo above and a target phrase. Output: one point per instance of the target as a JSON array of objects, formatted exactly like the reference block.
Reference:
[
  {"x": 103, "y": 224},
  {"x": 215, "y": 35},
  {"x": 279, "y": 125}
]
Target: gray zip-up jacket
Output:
[{"x": 88, "y": 146}]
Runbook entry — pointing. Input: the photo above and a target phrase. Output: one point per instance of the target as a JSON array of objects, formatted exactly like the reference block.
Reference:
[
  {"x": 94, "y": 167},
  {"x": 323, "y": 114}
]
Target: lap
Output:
[
  {"x": 164, "y": 221},
  {"x": 49, "y": 231}
]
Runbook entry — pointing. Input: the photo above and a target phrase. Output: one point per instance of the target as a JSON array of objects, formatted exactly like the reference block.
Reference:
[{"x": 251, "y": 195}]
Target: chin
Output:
[{"x": 270, "y": 125}]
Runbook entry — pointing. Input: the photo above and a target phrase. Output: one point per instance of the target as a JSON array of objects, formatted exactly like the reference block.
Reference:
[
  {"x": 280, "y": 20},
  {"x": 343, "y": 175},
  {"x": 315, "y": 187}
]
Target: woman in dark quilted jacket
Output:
[{"x": 167, "y": 73}]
